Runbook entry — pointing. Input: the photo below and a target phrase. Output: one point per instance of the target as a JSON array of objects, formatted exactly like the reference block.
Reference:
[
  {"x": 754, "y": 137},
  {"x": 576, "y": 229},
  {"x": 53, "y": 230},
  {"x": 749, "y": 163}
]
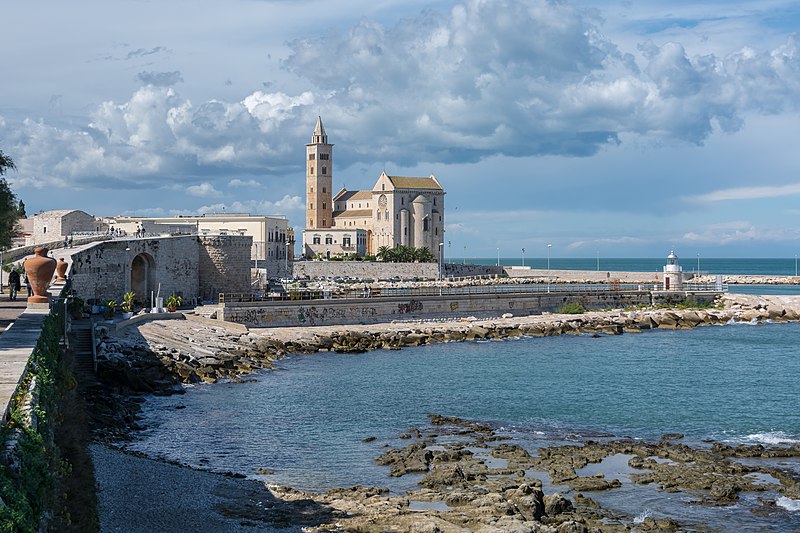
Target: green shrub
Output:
[{"x": 571, "y": 308}]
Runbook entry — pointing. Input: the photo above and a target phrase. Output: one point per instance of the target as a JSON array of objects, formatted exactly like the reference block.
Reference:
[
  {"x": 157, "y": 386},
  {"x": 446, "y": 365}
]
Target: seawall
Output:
[{"x": 386, "y": 309}]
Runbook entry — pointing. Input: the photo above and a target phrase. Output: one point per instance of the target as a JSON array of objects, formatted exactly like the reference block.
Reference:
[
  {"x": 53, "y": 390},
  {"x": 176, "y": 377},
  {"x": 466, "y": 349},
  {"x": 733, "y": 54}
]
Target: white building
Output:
[{"x": 273, "y": 239}]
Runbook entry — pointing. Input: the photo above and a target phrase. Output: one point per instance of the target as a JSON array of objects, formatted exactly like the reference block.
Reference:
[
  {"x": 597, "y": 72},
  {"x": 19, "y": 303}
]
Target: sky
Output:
[{"x": 619, "y": 129}]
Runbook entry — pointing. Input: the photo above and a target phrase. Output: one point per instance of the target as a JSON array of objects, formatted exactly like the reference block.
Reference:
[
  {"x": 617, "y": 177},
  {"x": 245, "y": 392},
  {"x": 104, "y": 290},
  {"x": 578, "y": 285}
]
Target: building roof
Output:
[
  {"x": 58, "y": 213},
  {"x": 344, "y": 195},
  {"x": 402, "y": 182},
  {"x": 353, "y": 213}
]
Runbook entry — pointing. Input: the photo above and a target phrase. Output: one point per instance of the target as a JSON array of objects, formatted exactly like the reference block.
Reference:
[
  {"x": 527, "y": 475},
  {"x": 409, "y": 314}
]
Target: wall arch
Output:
[{"x": 143, "y": 270}]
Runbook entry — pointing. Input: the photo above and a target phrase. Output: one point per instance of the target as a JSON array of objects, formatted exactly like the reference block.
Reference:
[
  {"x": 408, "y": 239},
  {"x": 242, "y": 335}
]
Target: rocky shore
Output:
[
  {"x": 159, "y": 356},
  {"x": 472, "y": 480}
]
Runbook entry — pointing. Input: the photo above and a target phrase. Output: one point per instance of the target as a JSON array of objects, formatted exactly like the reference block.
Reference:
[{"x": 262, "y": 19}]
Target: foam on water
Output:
[
  {"x": 641, "y": 517},
  {"x": 772, "y": 438},
  {"x": 788, "y": 504}
]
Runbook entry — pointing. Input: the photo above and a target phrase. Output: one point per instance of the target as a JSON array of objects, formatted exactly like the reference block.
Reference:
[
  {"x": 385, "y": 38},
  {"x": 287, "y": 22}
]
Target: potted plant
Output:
[
  {"x": 173, "y": 301},
  {"x": 111, "y": 306},
  {"x": 127, "y": 305}
]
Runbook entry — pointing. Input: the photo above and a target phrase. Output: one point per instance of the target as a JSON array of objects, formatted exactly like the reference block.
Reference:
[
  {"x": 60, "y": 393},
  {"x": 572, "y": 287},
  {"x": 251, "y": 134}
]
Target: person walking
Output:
[{"x": 13, "y": 284}]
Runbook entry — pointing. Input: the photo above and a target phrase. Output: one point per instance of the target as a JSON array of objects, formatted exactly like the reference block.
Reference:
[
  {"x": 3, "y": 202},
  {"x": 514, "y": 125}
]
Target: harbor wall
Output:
[{"x": 375, "y": 310}]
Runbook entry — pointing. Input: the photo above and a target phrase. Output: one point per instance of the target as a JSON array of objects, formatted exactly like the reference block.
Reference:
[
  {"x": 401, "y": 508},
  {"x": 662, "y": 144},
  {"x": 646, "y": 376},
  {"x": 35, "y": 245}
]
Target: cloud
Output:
[
  {"x": 204, "y": 190},
  {"x": 740, "y": 231},
  {"x": 160, "y": 79},
  {"x": 484, "y": 79},
  {"x": 287, "y": 205},
  {"x": 748, "y": 193},
  {"x": 615, "y": 240},
  {"x": 143, "y": 52},
  {"x": 240, "y": 183}
]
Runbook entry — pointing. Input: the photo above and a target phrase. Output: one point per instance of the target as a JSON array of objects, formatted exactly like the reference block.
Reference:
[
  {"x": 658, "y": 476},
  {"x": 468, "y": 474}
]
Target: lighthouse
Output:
[{"x": 673, "y": 274}]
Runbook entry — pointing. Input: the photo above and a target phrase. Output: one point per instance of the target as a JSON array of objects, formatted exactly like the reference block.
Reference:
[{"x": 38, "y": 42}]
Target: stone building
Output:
[
  {"x": 192, "y": 266},
  {"x": 49, "y": 226},
  {"x": 272, "y": 237},
  {"x": 397, "y": 210}
]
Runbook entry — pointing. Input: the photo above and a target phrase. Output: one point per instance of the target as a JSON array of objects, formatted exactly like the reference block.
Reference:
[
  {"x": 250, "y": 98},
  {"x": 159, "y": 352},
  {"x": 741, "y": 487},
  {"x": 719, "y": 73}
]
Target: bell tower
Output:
[{"x": 319, "y": 180}]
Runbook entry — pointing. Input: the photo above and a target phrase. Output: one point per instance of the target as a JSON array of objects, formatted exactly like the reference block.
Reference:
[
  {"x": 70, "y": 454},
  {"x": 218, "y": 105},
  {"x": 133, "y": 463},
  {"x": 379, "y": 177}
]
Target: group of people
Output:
[{"x": 15, "y": 284}]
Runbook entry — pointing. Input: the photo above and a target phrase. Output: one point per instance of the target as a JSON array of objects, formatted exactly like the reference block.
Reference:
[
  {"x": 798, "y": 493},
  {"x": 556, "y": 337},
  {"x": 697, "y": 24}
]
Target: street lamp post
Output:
[
  {"x": 598, "y": 260},
  {"x": 795, "y": 265},
  {"x": 548, "y": 266},
  {"x": 465, "y": 254},
  {"x": 698, "y": 264},
  {"x": 449, "y": 251},
  {"x": 441, "y": 260},
  {"x": 498, "y": 257},
  {"x": 523, "y": 257},
  {"x": 286, "y": 259}
]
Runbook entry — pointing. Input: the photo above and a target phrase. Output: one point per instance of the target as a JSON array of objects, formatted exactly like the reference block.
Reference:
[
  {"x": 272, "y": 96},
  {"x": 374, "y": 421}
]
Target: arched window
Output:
[{"x": 324, "y": 170}]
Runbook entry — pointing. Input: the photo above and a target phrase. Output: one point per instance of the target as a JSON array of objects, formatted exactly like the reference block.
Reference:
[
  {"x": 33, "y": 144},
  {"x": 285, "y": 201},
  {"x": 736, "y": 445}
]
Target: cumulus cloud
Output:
[
  {"x": 487, "y": 78},
  {"x": 287, "y": 205},
  {"x": 204, "y": 190},
  {"x": 160, "y": 79},
  {"x": 245, "y": 183}
]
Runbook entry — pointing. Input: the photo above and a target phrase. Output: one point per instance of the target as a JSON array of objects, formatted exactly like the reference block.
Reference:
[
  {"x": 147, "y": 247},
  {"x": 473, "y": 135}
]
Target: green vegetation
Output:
[
  {"x": 127, "y": 302},
  {"x": 405, "y": 254},
  {"x": 572, "y": 308},
  {"x": 173, "y": 302},
  {"x": 9, "y": 213},
  {"x": 26, "y": 487}
]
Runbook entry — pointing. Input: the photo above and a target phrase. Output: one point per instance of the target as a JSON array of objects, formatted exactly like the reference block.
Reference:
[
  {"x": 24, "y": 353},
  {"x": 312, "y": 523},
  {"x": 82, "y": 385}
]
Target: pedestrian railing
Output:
[{"x": 413, "y": 292}]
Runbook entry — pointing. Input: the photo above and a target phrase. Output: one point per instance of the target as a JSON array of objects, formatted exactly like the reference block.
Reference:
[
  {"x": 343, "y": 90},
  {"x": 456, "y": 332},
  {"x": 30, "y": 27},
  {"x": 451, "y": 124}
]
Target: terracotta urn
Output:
[
  {"x": 39, "y": 270},
  {"x": 61, "y": 269}
]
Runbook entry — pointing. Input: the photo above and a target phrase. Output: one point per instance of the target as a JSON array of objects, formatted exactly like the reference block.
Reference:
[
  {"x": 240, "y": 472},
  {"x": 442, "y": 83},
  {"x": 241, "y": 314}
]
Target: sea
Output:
[{"x": 306, "y": 421}]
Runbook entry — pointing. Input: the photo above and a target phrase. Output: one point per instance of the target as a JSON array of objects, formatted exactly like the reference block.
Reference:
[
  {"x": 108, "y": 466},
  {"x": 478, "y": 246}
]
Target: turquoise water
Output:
[
  {"x": 767, "y": 267},
  {"x": 306, "y": 420}
]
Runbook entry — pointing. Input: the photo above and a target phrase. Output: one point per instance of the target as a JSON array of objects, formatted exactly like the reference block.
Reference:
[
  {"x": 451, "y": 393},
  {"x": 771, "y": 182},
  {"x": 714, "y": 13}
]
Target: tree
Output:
[{"x": 8, "y": 204}]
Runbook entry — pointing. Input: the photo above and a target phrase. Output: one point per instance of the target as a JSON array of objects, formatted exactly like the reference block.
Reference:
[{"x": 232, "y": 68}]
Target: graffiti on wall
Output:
[{"x": 410, "y": 307}]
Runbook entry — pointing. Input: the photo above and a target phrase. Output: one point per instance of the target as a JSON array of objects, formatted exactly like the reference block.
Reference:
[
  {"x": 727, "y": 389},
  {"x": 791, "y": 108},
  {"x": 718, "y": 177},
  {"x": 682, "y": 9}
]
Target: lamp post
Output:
[
  {"x": 498, "y": 256},
  {"x": 795, "y": 264},
  {"x": 548, "y": 266},
  {"x": 598, "y": 260},
  {"x": 465, "y": 254},
  {"x": 698, "y": 264},
  {"x": 449, "y": 252},
  {"x": 2, "y": 257},
  {"x": 286, "y": 259},
  {"x": 523, "y": 257},
  {"x": 441, "y": 260}
]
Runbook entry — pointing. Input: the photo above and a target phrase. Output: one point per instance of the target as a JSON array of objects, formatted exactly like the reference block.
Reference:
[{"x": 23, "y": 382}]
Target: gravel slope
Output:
[{"x": 142, "y": 495}]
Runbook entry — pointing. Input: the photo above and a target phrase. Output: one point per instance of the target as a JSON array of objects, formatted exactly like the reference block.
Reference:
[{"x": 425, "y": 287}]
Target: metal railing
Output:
[{"x": 479, "y": 290}]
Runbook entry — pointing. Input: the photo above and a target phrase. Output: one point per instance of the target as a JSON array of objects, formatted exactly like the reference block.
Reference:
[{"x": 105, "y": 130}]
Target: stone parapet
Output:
[{"x": 374, "y": 310}]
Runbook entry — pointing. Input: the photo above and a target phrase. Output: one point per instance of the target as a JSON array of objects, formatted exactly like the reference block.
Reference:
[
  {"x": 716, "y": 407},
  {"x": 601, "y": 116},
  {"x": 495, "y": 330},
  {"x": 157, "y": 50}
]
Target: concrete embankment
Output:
[{"x": 160, "y": 355}]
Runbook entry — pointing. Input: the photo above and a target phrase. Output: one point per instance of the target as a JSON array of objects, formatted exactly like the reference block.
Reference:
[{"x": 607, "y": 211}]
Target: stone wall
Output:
[
  {"x": 364, "y": 269},
  {"x": 366, "y": 311},
  {"x": 15, "y": 254},
  {"x": 455, "y": 270},
  {"x": 104, "y": 270},
  {"x": 224, "y": 265}
]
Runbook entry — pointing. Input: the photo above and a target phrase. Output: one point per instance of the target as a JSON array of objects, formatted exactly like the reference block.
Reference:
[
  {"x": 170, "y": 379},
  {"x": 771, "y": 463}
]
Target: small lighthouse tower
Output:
[{"x": 673, "y": 274}]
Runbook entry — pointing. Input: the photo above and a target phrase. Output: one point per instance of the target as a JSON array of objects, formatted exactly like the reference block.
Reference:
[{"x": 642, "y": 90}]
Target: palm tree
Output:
[
  {"x": 383, "y": 253},
  {"x": 424, "y": 255}
]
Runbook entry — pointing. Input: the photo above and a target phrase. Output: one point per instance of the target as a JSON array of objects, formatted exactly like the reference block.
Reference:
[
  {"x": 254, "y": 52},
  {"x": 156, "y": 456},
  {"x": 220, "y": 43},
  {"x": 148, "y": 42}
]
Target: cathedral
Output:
[{"x": 397, "y": 210}]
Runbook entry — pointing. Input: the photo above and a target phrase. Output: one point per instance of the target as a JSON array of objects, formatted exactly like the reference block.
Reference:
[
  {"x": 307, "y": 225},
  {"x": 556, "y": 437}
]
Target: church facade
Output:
[{"x": 398, "y": 210}]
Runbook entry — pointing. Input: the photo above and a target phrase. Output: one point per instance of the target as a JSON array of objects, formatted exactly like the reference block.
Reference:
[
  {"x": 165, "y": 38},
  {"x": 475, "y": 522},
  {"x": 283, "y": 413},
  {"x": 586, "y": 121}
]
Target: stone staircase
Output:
[{"x": 81, "y": 344}]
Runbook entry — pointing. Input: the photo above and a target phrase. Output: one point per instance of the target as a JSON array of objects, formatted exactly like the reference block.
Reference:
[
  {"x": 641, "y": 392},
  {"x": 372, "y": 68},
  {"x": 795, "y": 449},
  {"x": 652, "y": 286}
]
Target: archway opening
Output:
[{"x": 143, "y": 268}]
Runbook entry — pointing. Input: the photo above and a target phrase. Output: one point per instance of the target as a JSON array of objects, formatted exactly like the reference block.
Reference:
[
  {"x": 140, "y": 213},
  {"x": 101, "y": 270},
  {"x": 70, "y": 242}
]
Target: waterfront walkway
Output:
[{"x": 16, "y": 345}]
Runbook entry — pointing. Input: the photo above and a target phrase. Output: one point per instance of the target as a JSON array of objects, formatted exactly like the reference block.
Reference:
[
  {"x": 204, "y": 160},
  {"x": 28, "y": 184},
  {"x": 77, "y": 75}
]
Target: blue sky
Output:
[{"x": 619, "y": 128}]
